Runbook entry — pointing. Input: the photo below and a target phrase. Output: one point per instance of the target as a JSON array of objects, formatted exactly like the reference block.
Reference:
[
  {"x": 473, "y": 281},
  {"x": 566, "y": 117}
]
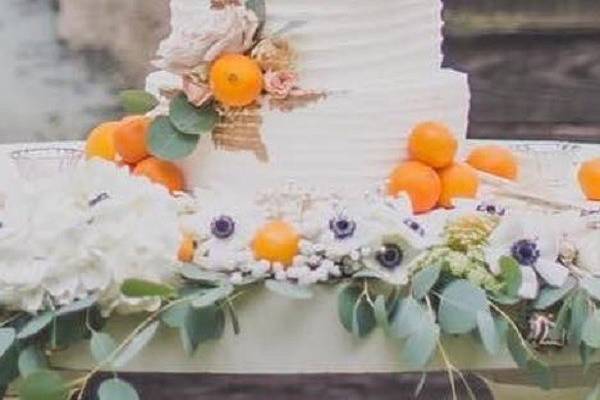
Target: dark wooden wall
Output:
[{"x": 533, "y": 65}]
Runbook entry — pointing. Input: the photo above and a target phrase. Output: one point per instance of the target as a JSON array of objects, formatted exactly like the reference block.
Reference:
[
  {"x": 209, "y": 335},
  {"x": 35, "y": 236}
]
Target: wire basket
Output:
[{"x": 41, "y": 162}]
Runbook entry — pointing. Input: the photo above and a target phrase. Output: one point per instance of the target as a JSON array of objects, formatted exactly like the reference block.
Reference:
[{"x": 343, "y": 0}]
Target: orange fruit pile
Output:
[
  {"x": 589, "y": 179},
  {"x": 277, "y": 242},
  {"x": 432, "y": 177},
  {"x": 236, "y": 80},
  {"x": 124, "y": 142}
]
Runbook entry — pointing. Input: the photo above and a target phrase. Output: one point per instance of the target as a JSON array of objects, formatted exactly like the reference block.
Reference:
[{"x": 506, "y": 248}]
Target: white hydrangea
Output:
[{"x": 84, "y": 232}]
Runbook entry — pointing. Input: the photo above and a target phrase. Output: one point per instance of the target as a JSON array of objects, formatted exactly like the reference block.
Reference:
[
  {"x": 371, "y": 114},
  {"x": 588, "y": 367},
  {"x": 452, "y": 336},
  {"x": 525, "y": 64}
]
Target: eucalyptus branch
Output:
[{"x": 514, "y": 327}]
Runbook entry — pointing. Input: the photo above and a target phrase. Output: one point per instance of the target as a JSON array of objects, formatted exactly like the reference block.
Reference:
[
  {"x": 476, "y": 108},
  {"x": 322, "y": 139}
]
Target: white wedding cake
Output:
[{"x": 378, "y": 64}]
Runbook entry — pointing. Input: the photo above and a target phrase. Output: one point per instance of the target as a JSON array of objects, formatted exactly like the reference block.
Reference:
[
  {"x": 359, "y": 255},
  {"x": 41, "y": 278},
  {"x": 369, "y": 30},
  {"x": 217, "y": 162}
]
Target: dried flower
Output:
[
  {"x": 203, "y": 37},
  {"x": 198, "y": 93},
  {"x": 281, "y": 84},
  {"x": 274, "y": 54}
]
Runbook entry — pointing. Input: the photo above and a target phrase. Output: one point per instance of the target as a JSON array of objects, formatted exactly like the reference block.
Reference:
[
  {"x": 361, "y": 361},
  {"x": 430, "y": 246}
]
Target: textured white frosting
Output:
[{"x": 381, "y": 60}]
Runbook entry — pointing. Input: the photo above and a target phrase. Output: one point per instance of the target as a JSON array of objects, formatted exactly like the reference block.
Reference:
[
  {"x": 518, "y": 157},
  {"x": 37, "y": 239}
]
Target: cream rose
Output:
[{"x": 281, "y": 84}]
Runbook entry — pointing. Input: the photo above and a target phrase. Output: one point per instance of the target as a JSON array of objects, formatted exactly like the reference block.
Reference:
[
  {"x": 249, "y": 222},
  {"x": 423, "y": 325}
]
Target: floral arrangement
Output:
[{"x": 81, "y": 246}]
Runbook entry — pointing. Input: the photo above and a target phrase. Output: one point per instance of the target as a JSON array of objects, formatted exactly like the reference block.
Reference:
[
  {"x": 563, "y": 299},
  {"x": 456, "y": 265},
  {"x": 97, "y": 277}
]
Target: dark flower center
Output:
[
  {"x": 342, "y": 228},
  {"x": 525, "y": 252},
  {"x": 491, "y": 209},
  {"x": 414, "y": 226},
  {"x": 390, "y": 256},
  {"x": 223, "y": 227}
]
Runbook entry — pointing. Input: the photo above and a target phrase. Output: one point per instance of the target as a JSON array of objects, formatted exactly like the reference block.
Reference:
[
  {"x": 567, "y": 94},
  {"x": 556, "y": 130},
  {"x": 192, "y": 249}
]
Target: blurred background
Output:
[{"x": 534, "y": 66}]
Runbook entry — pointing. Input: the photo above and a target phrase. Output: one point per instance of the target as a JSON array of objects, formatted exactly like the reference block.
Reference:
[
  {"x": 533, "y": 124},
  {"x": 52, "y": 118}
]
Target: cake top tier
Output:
[{"x": 340, "y": 44}]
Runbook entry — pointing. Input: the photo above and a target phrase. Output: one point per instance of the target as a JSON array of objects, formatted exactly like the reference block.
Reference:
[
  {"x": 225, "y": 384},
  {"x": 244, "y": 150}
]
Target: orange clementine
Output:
[
  {"x": 589, "y": 179},
  {"x": 130, "y": 138},
  {"x": 419, "y": 181},
  {"x": 187, "y": 249},
  {"x": 161, "y": 172},
  {"x": 495, "y": 160},
  {"x": 458, "y": 181},
  {"x": 101, "y": 142},
  {"x": 277, "y": 241},
  {"x": 236, "y": 80},
  {"x": 433, "y": 144}
]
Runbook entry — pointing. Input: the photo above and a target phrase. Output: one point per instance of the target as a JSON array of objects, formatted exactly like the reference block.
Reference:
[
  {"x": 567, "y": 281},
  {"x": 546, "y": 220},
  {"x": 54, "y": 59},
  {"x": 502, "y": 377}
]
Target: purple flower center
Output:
[
  {"x": 526, "y": 252},
  {"x": 390, "y": 256},
  {"x": 342, "y": 228},
  {"x": 491, "y": 209},
  {"x": 223, "y": 227},
  {"x": 414, "y": 226}
]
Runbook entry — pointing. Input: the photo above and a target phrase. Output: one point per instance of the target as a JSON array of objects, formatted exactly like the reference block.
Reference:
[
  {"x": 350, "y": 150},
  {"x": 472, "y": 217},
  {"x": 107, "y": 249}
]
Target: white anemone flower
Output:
[{"x": 533, "y": 241}]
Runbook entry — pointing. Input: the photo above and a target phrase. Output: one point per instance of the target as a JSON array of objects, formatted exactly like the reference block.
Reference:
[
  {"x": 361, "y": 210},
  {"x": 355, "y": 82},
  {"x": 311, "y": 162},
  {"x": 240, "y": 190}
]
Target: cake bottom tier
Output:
[
  {"x": 346, "y": 142},
  {"x": 283, "y": 336}
]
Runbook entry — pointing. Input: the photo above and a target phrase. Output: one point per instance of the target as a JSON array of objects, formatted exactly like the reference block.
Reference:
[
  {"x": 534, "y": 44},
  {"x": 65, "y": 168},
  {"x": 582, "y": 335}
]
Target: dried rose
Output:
[
  {"x": 280, "y": 84},
  {"x": 202, "y": 37},
  {"x": 274, "y": 54},
  {"x": 197, "y": 93}
]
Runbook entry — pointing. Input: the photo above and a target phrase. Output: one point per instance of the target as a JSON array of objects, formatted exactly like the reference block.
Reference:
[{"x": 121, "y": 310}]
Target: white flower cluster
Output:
[{"x": 82, "y": 233}]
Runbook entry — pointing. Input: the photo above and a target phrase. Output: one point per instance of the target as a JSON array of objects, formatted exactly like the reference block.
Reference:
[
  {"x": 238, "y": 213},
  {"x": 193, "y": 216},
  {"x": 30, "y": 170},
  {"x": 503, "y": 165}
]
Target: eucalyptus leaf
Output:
[
  {"x": 363, "y": 318},
  {"x": 460, "y": 303},
  {"x": 407, "y": 318},
  {"x": 590, "y": 333},
  {"x": 36, "y": 325},
  {"x": 31, "y": 360},
  {"x": 504, "y": 299},
  {"x": 347, "y": 298},
  {"x": 592, "y": 286},
  {"x": 78, "y": 306},
  {"x": 212, "y": 296},
  {"x": 175, "y": 315},
  {"x": 136, "y": 345},
  {"x": 195, "y": 273},
  {"x": 381, "y": 313},
  {"x": 117, "y": 389},
  {"x": 137, "y": 101},
  {"x": 191, "y": 120},
  {"x": 511, "y": 275},
  {"x": 517, "y": 348},
  {"x": 140, "y": 288},
  {"x": 168, "y": 143},
  {"x": 579, "y": 315},
  {"x": 102, "y": 346},
  {"x": 7, "y": 339},
  {"x": 9, "y": 368},
  {"x": 423, "y": 281},
  {"x": 290, "y": 290},
  {"x": 201, "y": 325},
  {"x": 421, "y": 344},
  {"x": 487, "y": 332},
  {"x": 550, "y": 296},
  {"x": 43, "y": 385},
  {"x": 541, "y": 373}
]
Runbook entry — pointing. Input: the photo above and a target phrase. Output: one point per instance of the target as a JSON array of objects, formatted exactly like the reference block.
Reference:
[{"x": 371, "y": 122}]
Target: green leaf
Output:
[
  {"x": 78, "y": 306},
  {"x": 72, "y": 328},
  {"x": 346, "y": 300},
  {"x": 590, "y": 333},
  {"x": 550, "y": 296},
  {"x": 31, "y": 360},
  {"x": 594, "y": 394},
  {"x": 36, "y": 325},
  {"x": 137, "y": 101},
  {"x": 408, "y": 316},
  {"x": 201, "y": 325},
  {"x": 461, "y": 301},
  {"x": 102, "y": 346},
  {"x": 487, "y": 332},
  {"x": 192, "y": 120},
  {"x": 579, "y": 314},
  {"x": 517, "y": 348},
  {"x": 422, "y": 343},
  {"x": 290, "y": 290},
  {"x": 423, "y": 281},
  {"x": 541, "y": 373},
  {"x": 381, "y": 313},
  {"x": 9, "y": 369},
  {"x": 363, "y": 318},
  {"x": 501, "y": 298},
  {"x": 43, "y": 385},
  {"x": 212, "y": 296},
  {"x": 175, "y": 315},
  {"x": 511, "y": 275},
  {"x": 142, "y": 288},
  {"x": 168, "y": 143},
  {"x": 194, "y": 273},
  {"x": 116, "y": 389},
  {"x": 7, "y": 339},
  {"x": 136, "y": 345},
  {"x": 592, "y": 286}
]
